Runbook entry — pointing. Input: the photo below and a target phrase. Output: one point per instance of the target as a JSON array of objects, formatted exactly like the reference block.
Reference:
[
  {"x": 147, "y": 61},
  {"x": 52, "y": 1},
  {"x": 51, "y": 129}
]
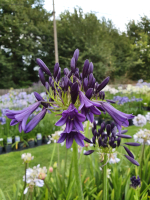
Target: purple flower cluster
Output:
[
  {"x": 135, "y": 182},
  {"x": 121, "y": 100},
  {"x": 76, "y": 95},
  {"x": 110, "y": 138}
]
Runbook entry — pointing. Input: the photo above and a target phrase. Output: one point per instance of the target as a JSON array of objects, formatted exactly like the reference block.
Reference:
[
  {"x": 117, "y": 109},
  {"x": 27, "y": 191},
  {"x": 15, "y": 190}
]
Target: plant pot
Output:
[
  {"x": 1, "y": 150},
  {"x": 130, "y": 122},
  {"x": 31, "y": 143},
  {"x": 45, "y": 140},
  {"x": 39, "y": 142},
  {"x": 8, "y": 148},
  {"x": 20, "y": 145}
]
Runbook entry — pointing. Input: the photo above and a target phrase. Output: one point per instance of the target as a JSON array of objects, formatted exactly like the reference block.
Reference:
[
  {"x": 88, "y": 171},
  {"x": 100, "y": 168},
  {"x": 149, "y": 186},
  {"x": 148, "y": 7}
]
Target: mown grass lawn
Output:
[{"x": 12, "y": 167}]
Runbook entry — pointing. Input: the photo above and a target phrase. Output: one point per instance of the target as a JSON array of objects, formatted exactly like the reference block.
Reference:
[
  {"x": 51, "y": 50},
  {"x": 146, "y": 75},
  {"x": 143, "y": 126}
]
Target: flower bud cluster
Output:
[
  {"x": 135, "y": 182},
  {"x": 105, "y": 142}
]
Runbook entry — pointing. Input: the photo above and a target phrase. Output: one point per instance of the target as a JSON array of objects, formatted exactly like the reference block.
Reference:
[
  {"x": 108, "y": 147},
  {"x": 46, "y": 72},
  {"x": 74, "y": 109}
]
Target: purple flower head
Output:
[
  {"x": 43, "y": 67},
  {"x": 21, "y": 116},
  {"x": 72, "y": 119},
  {"x": 87, "y": 107},
  {"x": 120, "y": 118},
  {"x": 58, "y": 74},
  {"x": 110, "y": 139},
  {"x": 69, "y": 137},
  {"x": 135, "y": 182}
]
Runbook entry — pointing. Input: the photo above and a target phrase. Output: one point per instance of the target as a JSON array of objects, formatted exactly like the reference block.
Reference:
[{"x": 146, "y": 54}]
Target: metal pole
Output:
[{"x": 55, "y": 36}]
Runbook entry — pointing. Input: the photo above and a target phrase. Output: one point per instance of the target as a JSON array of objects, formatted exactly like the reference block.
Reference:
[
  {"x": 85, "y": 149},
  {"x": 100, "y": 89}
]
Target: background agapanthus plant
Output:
[{"x": 76, "y": 96}]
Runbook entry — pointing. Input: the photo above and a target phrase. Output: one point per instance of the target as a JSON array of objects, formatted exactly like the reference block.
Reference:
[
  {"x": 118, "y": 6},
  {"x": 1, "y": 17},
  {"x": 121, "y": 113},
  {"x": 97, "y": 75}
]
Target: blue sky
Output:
[{"x": 119, "y": 11}]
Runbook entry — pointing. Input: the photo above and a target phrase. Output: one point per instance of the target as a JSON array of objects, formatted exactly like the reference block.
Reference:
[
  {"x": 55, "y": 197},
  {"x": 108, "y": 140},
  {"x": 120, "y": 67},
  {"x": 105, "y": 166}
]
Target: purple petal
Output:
[
  {"x": 103, "y": 84},
  {"x": 90, "y": 68},
  {"x": 56, "y": 69},
  {"x": 85, "y": 69},
  {"x": 132, "y": 160},
  {"x": 124, "y": 136},
  {"x": 62, "y": 137},
  {"x": 90, "y": 117},
  {"x": 132, "y": 144},
  {"x": 89, "y": 93},
  {"x": 13, "y": 122},
  {"x": 81, "y": 117},
  {"x": 76, "y": 54},
  {"x": 43, "y": 66},
  {"x": 79, "y": 139},
  {"x": 128, "y": 152},
  {"x": 95, "y": 110},
  {"x": 69, "y": 140},
  {"x": 69, "y": 125},
  {"x": 87, "y": 140},
  {"x": 61, "y": 121},
  {"x": 20, "y": 127},
  {"x": 88, "y": 152},
  {"x": 32, "y": 124},
  {"x": 78, "y": 125},
  {"x": 72, "y": 64},
  {"x": 42, "y": 77},
  {"x": 27, "y": 111}
]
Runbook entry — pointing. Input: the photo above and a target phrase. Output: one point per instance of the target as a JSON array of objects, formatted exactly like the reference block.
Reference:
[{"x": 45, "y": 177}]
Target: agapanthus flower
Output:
[
  {"x": 135, "y": 182},
  {"x": 27, "y": 157},
  {"x": 120, "y": 118},
  {"x": 148, "y": 116},
  {"x": 72, "y": 118},
  {"x": 139, "y": 120},
  {"x": 33, "y": 177},
  {"x": 142, "y": 136},
  {"x": 87, "y": 107},
  {"x": 21, "y": 116},
  {"x": 69, "y": 137},
  {"x": 113, "y": 158},
  {"x": 105, "y": 142},
  {"x": 54, "y": 137}
]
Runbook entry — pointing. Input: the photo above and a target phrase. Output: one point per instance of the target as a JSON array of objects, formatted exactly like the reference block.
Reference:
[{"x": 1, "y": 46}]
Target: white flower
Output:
[
  {"x": 139, "y": 120},
  {"x": 55, "y": 136},
  {"x": 148, "y": 116},
  {"x": 113, "y": 158},
  {"x": 85, "y": 125},
  {"x": 142, "y": 136},
  {"x": 34, "y": 177},
  {"x": 27, "y": 157},
  {"x": 1, "y": 139},
  {"x": 49, "y": 142}
]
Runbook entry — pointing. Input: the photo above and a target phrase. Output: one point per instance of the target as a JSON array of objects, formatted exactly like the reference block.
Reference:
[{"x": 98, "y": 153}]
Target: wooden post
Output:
[{"x": 55, "y": 36}]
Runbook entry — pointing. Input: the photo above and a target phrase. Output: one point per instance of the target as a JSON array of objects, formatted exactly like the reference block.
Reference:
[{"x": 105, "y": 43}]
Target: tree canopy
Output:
[{"x": 26, "y": 33}]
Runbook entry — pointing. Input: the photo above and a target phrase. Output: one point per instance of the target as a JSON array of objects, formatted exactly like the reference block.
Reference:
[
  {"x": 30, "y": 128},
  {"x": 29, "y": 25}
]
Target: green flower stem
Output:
[
  {"x": 77, "y": 175},
  {"x": 142, "y": 158},
  {"x": 105, "y": 178},
  {"x": 58, "y": 157}
]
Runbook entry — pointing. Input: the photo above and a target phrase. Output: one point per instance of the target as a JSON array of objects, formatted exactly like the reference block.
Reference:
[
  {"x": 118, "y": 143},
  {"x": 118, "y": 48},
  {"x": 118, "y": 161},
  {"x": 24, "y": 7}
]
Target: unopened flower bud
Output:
[
  {"x": 50, "y": 169},
  {"x": 55, "y": 165}
]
